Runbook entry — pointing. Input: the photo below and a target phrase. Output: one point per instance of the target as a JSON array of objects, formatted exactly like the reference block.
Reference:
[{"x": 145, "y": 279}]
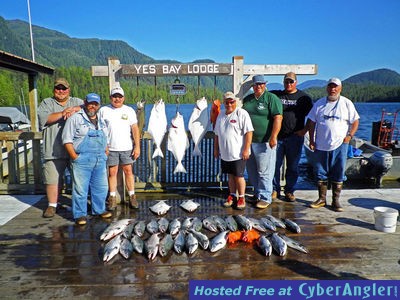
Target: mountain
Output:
[
  {"x": 312, "y": 83},
  {"x": 383, "y": 77}
]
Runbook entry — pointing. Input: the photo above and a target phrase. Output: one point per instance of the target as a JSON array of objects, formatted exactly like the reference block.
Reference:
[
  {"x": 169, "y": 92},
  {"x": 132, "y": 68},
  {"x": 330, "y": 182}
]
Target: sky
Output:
[{"x": 343, "y": 37}]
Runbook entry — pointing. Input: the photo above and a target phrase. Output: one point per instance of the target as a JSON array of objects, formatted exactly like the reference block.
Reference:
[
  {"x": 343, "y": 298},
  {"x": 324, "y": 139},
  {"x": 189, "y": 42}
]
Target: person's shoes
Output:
[
  {"x": 81, "y": 221},
  {"x": 336, "y": 206},
  {"x": 290, "y": 197},
  {"x": 275, "y": 195},
  {"x": 229, "y": 201},
  {"x": 49, "y": 212},
  {"x": 318, "y": 203},
  {"x": 133, "y": 202},
  {"x": 112, "y": 203},
  {"x": 252, "y": 200},
  {"x": 241, "y": 204},
  {"x": 262, "y": 204},
  {"x": 106, "y": 215}
]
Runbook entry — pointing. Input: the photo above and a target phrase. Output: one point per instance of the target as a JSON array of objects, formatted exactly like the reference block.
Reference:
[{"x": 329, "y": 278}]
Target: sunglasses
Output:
[
  {"x": 259, "y": 83},
  {"x": 117, "y": 96},
  {"x": 289, "y": 81},
  {"x": 60, "y": 88},
  {"x": 229, "y": 102}
]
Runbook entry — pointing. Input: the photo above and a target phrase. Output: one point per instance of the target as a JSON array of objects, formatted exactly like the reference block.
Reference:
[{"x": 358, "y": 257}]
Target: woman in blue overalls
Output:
[{"x": 85, "y": 139}]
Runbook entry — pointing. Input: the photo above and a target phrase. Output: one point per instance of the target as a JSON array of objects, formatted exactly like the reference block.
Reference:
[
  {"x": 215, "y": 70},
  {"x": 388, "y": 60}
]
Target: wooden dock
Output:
[{"x": 54, "y": 258}]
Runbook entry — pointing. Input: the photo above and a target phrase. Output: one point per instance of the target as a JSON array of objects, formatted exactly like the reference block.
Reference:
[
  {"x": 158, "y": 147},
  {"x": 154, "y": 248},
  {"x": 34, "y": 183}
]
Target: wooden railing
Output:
[
  {"x": 21, "y": 164},
  {"x": 21, "y": 167}
]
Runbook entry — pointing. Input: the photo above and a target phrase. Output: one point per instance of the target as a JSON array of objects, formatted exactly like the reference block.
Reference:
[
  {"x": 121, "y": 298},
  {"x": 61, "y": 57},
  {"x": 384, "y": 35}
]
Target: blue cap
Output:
[
  {"x": 92, "y": 97},
  {"x": 258, "y": 79}
]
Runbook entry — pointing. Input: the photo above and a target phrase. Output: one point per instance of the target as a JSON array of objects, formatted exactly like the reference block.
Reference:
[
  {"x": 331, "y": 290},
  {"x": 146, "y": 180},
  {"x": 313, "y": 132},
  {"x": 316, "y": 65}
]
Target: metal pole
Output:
[{"x": 30, "y": 30}]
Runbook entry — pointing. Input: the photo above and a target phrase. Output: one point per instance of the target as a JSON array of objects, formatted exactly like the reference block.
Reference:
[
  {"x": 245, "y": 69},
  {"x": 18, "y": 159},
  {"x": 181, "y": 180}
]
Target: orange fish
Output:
[
  {"x": 215, "y": 109},
  {"x": 250, "y": 235},
  {"x": 234, "y": 236}
]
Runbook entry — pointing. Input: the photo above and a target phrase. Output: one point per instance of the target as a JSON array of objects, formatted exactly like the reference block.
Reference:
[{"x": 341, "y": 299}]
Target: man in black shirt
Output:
[{"x": 296, "y": 105}]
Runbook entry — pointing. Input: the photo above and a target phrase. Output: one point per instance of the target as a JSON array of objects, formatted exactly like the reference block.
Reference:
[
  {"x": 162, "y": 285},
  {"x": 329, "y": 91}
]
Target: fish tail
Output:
[
  {"x": 196, "y": 151},
  {"x": 180, "y": 168},
  {"x": 158, "y": 152}
]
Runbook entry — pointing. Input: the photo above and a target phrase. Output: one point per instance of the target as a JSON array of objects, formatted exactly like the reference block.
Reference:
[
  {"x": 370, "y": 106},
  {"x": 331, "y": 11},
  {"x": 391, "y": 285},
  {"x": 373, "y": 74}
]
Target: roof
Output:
[
  {"x": 17, "y": 63},
  {"x": 12, "y": 115}
]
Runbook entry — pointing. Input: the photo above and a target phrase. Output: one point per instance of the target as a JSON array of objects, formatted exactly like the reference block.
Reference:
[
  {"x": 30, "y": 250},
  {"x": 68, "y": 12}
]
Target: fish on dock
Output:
[
  {"x": 277, "y": 222},
  {"x": 115, "y": 228},
  {"x": 160, "y": 208},
  {"x": 243, "y": 222},
  {"x": 166, "y": 244},
  {"x": 231, "y": 224},
  {"x": 139, "y": 228},
  {"x": 163, "y": 225},
  {"x": 293, "y": 244},
  {"x": 278, "y": 244},
  {"x": 189, "y": 205},
  {"x": 265, "y": 245},
  {"x": 210, "y": 224},
  {"x": 204, "y": 241},
  {"x": 291, "y": 225},
  {"x": 179, "y": 242},
  {"x": 151, "y": 246},
  {"x": 174, "y": 226},
  {"x": 137, "y": 243},
  {"x": 191, "y": 243},
  {"x": 152, "y": 226},
  {"x": 126, "y": 248},
  {"x": 112, "y": 248},
  {"x": 219, "y": 241}
]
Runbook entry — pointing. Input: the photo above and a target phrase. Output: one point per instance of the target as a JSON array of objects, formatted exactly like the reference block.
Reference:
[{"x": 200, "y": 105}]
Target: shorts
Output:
[
  {"x": 116, "y": 158},
  {"x": 53, "y": 171},
  {"x": 235, "y": 167}
]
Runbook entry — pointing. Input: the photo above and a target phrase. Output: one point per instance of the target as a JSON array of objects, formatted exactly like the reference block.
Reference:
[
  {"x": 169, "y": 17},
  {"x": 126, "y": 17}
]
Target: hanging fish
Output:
[
  {"x": 198, "y": 124},
  {"x": 178, "y": 141},
  {"x": 215, "y": 110},
  {"x": 158, "y": 126}
]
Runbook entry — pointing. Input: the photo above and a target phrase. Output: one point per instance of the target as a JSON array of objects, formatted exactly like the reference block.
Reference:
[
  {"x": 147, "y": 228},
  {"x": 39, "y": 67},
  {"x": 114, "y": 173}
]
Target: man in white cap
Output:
[
  {"x": 232, "y": 140},
  {"x": 333, "y": 122},
  {"x": 123, "y": 145},
  {"x": 265, "y": 110},
  {"x": 52, "y": 114}
]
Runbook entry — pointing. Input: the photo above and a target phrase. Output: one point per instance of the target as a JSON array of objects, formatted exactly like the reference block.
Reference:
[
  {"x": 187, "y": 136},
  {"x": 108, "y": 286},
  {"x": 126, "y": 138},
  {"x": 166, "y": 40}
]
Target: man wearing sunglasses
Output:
[
  {"x": 233, "y": 133},
  {"x": 52, "y": 114},
  {"x": 296, "y": 105},
  {"x": 265, "y": 110}
]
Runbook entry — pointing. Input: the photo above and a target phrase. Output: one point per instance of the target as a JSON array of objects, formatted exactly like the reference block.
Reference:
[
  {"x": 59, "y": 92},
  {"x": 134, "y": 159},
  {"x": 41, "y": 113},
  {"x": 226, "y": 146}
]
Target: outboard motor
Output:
[{"x": 378, "y": 165}]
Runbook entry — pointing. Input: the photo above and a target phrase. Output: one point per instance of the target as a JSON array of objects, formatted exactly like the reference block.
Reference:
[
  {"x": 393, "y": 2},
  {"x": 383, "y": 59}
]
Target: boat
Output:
[
  {"x": 12, "y": 120},
  {"x": 371, "y": 161}
]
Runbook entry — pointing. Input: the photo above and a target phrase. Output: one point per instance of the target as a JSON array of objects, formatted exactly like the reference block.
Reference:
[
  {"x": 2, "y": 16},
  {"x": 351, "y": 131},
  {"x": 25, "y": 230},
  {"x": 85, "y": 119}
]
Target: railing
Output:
[{"x": 21, "y": 166}]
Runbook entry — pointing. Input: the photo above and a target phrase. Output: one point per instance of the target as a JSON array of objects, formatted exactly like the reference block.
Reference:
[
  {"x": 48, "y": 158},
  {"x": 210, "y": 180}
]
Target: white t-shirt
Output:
[
  {"x": 231, "y": 130},
  {"x": 119, "y": 122},
  {"x": 332, "y": 122}
]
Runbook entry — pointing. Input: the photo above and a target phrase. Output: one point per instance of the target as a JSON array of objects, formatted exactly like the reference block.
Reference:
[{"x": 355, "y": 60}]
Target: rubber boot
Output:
[
  {"x": 336, "y": 189},
  {"x": 322, "y": 189}
]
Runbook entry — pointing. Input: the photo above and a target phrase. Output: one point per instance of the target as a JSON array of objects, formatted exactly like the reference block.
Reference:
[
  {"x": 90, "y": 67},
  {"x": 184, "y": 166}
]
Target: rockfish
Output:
[
  {"x": 158, "y": 126},
  {"x": 178, "y": 141},
  {"x": 198, "y": 124},
  {"x": 215, "y": 110}
]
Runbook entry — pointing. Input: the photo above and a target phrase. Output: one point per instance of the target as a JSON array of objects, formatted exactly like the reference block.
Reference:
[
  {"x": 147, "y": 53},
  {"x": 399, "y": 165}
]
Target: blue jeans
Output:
[
  {"x": 261, "y": 169},
  {"x": 289, "y": 147},
  {"x": 89, "y": 170},
  {"x": 330, "y": 165}
]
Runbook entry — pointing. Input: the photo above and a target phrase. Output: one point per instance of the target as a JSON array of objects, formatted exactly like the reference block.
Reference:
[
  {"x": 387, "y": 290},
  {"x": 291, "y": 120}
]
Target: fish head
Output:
[
  {"x": 177, "y": 121},
  {"x": 140, "y": 104}
]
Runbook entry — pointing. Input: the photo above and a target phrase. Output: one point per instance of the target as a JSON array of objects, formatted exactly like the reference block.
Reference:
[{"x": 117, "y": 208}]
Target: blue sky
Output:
[{"x": 343, "y": 37}]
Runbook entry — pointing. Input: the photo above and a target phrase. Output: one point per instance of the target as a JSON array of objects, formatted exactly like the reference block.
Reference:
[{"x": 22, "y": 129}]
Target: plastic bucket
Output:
[{"x": 385, "y": 219}]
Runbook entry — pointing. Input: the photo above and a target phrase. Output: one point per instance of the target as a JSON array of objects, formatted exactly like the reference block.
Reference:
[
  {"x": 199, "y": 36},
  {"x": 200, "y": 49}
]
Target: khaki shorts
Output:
[{"x": 53, "y": 171}]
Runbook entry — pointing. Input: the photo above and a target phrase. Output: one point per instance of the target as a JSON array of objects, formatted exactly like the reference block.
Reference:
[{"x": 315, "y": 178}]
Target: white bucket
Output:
[{"x": 385, "y": 219}]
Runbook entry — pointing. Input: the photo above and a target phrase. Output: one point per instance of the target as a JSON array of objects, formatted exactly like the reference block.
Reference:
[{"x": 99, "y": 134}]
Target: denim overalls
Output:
[{"x": 89, "y": 171}]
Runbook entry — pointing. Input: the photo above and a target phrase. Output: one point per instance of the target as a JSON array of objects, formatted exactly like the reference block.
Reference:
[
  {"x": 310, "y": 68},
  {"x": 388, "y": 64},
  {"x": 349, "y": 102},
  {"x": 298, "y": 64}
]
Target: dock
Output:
[{"x": 54, "y": 258}]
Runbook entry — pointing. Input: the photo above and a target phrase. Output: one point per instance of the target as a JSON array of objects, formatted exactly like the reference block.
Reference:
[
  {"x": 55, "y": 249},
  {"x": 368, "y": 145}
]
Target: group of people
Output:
[
  {"x": 95, "y": 141},
  {"x": 270, "y": 127}
]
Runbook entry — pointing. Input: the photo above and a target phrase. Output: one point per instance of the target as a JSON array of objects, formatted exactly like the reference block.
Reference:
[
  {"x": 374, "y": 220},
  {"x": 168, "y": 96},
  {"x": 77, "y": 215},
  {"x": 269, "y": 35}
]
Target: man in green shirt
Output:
[{"x": 265, "y": 110}]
